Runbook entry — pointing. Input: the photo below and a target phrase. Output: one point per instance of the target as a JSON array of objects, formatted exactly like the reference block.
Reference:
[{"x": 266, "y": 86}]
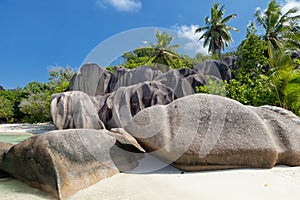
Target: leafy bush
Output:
[
  {"x": 213, "y": 87},
  {"x": 6, "y": 109},
  {"x": 35, "y": 108},
  {"x": 251, "y": 90},
  {"x": 252, "y": 53},
  {"x": 286, "y": 82},
  {"x": 255, "y": 91},
  {"x": 14, "y": 96}
]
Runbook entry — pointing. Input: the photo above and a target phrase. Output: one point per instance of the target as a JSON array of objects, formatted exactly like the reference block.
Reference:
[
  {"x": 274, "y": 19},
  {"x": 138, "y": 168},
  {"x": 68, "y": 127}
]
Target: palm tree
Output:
[
  {"x": 286, "y": 82},
  {"x": 285, "y": 79},
  {"x": 217, "y": 33},
  {"x": 280, "y": 29},
  {"x": 164, "y": 54}
]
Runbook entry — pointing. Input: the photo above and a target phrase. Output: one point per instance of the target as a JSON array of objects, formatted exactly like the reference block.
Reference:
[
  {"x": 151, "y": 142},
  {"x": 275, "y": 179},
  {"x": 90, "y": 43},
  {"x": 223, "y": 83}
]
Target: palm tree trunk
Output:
[{"x": 270, "y": 52}]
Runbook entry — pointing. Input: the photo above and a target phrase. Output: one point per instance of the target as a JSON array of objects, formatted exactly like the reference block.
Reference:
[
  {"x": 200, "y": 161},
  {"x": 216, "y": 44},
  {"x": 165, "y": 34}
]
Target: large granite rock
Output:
[
  {"x": 75, "y": 109},
  {"x": 119, "y": 106},
  {"x": 4, "y": 147},
  {"x": 64, "y": 162},
  {"x": 231, "y": 61},
  {"x": 92, "y": 80},
  {"x": 182, "y": 81},
  {"x": 124, "y": 78},
  {"x": 214, "y": 68},
  {"x": 205, "y": 132},
  {"x": 295, "y": 55},
  {"x": 1, "y": 88}
]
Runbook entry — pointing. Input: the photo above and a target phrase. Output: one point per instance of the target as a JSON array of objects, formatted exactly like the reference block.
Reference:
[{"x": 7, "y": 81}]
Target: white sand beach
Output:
[
  {"x": 279, "y": 183},
  {"x": 247, "y": 184},
  {"x": 26, "y": 128}
]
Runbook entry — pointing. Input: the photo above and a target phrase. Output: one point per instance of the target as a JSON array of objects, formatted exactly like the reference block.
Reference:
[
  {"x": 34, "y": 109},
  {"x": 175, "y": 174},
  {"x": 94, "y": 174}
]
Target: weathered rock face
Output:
[
  {"x": 92, "y": 80},
  {"x": 230, "y": 61},
  {"x": 124, "y": 78},
  {"x": 4, "y": 147},
  {"x": 183, "y": 81},
  {"x": 205, "y": 132},
  {"x": 64, "y": 162},
  {"x": 295, "y": 55},
  {"x": 285, "y": 127},
  {"x": 121, "y": 105},
  {"x": 214, "y": 68},
  {"x": 1, "y": 88},
  {"x": 75, "y": 109}
]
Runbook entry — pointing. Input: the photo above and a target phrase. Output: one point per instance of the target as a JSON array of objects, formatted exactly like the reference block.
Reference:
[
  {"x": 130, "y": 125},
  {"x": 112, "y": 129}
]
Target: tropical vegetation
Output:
[
  {"x": 161, "y": 55},
  {"x": 216, "y": 33},
  {"x": 32, "y": 103},
  {"x": 267, "y": 74}
]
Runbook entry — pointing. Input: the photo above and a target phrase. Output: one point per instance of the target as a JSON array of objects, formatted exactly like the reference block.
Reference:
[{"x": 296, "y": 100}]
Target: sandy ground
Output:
[
  {"x": 26, "y": 128},
  {"x": 278, "y": 183},
  {"x": 247, "y": 184}
]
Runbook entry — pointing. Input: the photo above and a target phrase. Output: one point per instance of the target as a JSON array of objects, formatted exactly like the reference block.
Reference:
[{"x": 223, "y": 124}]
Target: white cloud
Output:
[
  {"x": 192, "y": 39},
  {"x": 288, "y": 4},
  {"x": 121, "y": 5}
]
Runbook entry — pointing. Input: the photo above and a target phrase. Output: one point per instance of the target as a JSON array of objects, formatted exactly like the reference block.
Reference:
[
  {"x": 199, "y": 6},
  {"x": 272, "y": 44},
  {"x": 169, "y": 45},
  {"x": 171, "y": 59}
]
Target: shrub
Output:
[{"x": 6, "y": 109}]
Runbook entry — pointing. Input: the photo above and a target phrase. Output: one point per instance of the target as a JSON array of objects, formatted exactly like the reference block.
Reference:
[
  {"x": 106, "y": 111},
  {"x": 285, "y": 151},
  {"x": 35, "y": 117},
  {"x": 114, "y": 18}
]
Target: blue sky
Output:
[{"x": 37, "y": 34}]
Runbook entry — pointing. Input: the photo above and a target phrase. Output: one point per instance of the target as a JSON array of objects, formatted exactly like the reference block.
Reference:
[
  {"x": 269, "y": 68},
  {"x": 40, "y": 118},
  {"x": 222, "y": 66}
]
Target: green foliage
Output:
[
  {"x": 6, "y": 109},
  {"x": 61, "y": 87},
  {"x": 250, "y": 86},
  {"x": 255, "y": 91},
  {"x": 217, "y": 33},
  {"x": 213, "y": 87},
  {"x": 251, "y": 51},
  {"x": 279, "y": 27},
  {"x": 286, "y": 82},
  {"x": 35, "y": 108},
  {"x": 198, "y": 59},
  {"x": 111, "y": 68},
  {"x": 156, "y": 58},
  {"x": 163, "y": 42},
  {"x": 161, "y": 55},
  {"x": 58, "y": 75},
  {"x": 35, "y": 87},
  {"x": 32, "y": 104},
  {"x": 138, "y": 57},
  {"x": 14, "y": 96},
  {"x": 251, "y": 90}
]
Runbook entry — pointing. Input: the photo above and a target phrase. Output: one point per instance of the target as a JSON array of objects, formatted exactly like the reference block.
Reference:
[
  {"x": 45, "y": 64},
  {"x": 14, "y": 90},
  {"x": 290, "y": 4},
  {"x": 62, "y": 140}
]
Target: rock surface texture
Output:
[
  {"x": 125, "y": 78},
  {"x": 75, "y": 109},
  {"x": 183, "y": 82},
  {"x": 99, "y": 98},
  {"x": 64, "y": 162},
  {"x": 4, "y": 147},
  {"x": 215, "y": 69},
  {"x": 161, "y": 116},
  {"x": 91, "y": 79},
  {"x": 120, "y": 106},
  {"x": 206, "y": 132}
]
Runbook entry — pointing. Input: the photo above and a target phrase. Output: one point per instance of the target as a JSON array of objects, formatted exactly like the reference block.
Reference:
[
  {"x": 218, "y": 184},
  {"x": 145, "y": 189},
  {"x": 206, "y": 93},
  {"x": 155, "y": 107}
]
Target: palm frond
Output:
[
  {"x": 198, "y": 30},
  {"x": 228, "y": 18}
]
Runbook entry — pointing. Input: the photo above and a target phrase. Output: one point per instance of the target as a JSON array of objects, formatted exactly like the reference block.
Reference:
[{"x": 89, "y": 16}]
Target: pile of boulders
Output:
[{"x": 114, "y": 120}]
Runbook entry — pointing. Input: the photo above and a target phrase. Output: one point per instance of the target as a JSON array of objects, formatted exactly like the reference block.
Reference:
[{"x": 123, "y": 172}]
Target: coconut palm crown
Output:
[
  {"x": 280, "y": 28},
  {"x": 216, "y": 33}
]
